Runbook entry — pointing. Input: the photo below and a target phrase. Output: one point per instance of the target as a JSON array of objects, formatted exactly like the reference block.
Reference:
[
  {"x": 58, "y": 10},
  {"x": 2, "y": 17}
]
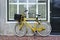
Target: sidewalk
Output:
[{"x": 29, "y": 38}]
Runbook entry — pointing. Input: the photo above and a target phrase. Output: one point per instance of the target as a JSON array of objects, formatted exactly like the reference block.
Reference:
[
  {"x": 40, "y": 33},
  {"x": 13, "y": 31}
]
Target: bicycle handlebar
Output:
[{"x": 36, "y": 14}]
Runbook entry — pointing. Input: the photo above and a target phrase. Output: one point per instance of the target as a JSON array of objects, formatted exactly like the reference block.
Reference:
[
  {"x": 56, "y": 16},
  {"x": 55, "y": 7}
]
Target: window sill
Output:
[
  {"x": 29, "y": 20},
  {"x": 17, "y": 22}
]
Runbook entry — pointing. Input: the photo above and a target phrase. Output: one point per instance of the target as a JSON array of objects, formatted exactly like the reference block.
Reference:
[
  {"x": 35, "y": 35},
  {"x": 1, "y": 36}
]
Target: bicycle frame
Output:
[{"x": 34, "y": 29}]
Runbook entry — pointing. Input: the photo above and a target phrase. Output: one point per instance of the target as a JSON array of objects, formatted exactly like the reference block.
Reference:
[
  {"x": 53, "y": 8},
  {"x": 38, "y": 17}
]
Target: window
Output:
[{"x": 33, "y": 6}]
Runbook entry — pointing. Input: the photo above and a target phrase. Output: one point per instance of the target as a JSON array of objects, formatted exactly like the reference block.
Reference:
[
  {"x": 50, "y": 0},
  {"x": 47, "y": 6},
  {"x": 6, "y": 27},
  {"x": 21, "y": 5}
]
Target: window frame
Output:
[{"x": 30, "y": 19}]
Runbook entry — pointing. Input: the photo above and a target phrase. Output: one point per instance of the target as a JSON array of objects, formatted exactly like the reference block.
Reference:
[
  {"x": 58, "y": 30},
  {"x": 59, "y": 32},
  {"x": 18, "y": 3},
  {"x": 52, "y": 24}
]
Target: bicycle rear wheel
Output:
[
  {"x": 47, "y": 30},
  {"x": 21, "y": 32}
]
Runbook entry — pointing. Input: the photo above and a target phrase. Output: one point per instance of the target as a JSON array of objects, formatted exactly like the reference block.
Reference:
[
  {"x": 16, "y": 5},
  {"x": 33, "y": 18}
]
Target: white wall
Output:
[{"x": 5, "y": 28}]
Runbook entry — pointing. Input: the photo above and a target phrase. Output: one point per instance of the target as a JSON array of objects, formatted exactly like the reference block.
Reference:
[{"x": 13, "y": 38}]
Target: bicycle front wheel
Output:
[
  {"x": 47, "y": 30},
  {"x": 21, "y": 32}
]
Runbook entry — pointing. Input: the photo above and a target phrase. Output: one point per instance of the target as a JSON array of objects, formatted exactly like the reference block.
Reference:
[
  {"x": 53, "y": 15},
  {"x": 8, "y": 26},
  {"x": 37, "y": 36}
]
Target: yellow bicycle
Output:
[{"x": 39, "y": 28}]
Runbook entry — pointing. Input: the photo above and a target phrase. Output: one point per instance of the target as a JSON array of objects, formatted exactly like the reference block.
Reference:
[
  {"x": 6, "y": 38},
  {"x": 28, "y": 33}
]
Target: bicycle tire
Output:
[
  {"x": 47, "y": 31},
  {"x": 21, "y": 32}
]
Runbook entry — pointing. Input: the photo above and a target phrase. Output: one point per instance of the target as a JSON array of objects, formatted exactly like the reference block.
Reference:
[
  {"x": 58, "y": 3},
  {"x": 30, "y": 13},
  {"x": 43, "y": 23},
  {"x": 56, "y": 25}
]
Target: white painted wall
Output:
[{"x": 5, "y": 28}]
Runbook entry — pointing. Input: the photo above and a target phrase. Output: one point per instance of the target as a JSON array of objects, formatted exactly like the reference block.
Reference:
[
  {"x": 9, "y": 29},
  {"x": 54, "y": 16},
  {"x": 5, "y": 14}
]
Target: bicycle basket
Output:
[{"x": 17, "y": 17}]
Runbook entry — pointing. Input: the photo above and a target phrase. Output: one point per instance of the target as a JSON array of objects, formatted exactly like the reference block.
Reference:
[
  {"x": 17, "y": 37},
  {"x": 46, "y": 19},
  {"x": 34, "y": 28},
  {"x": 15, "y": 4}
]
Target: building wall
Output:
[{"x": 5, "y": 28}]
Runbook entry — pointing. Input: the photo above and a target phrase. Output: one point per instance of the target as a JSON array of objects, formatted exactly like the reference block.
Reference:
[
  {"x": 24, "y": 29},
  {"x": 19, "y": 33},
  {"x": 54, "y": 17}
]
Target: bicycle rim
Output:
[
  {"x": 47, "y": 31},
  {"x": 21, "y": 32}
]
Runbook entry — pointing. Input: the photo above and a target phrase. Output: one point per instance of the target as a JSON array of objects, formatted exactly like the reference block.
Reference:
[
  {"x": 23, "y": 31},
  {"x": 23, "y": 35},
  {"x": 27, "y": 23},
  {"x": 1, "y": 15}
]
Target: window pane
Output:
[
  {"x": 12, "y": 1},
  {"x": 32, "y": 1},
  {"x": 22, "y": 1},
  {"x": 22, "y": 8},
  {"x": 12, "y": 11},
  {"x": 42, "y": 10},
  {"x": 39, "y": 1},
  {"x": 32, "y": 11}
]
